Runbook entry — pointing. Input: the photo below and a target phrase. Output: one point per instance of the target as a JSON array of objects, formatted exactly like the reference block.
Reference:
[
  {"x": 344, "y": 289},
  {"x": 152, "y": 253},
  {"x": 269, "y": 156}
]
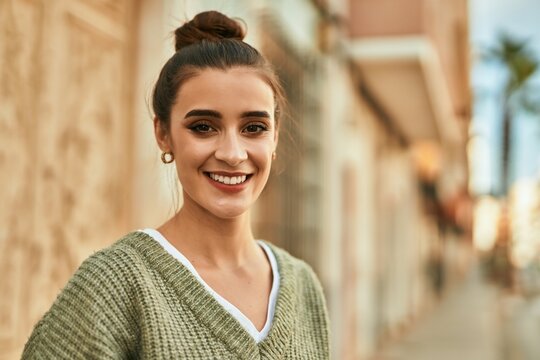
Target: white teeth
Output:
[{"x": 228, "y": 180}]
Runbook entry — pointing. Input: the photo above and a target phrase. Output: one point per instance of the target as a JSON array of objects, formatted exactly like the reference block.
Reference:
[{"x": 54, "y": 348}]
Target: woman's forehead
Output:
[
  {"x": 237, "y": 88},
  {"x": 213, "y": 78}
]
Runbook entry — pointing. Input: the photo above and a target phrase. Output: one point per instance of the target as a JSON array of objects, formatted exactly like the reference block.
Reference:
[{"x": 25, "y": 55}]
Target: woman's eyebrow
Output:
[
  {"x": 259, "y": 114},
  {"x": 203, "y": 112},
  {"x": 217, "y": 114}
]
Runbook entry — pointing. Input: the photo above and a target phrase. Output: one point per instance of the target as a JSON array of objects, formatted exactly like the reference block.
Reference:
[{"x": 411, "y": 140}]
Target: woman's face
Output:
[{"x": 222, "y": 133}]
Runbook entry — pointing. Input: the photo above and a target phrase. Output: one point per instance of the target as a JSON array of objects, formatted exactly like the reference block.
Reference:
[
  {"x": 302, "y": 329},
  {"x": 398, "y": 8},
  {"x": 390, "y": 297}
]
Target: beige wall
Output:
[
  {"x": 155, "y": 192},
  {"x": 65, "y": 70},
  {"x": 385, "y": 17}
]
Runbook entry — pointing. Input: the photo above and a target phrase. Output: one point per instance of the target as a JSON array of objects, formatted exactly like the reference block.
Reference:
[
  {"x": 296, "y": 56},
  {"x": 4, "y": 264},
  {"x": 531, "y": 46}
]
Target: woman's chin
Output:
[{"x": 228, "y": 212}]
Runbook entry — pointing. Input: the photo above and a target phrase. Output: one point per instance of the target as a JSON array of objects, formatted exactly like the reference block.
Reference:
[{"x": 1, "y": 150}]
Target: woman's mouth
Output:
[
  {"x": 231, "y": 181},
  {"x": 228, "y": 180}
]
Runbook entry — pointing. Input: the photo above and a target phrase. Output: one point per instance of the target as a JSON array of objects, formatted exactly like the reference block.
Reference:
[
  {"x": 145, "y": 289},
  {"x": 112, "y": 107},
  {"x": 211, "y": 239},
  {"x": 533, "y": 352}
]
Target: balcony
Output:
[{"x": 410, "y": 53}]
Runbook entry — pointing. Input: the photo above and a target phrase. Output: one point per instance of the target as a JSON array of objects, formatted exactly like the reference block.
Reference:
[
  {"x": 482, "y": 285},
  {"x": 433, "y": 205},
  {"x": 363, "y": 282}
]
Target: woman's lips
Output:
[{"x": 232, "y": 182}]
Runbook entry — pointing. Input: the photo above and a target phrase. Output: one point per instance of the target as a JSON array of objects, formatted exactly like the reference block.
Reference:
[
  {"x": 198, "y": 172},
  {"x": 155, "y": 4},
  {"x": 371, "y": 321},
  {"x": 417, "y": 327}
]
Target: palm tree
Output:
[
  {"x": 517, "y": 96},
  {"x": 520, "y": 64}
]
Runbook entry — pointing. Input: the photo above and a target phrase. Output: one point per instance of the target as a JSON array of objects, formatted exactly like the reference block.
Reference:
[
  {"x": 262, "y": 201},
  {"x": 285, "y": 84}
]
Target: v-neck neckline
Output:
[
  {"x": 212, "y": 314},
  {"x": 257, "y": 334}
]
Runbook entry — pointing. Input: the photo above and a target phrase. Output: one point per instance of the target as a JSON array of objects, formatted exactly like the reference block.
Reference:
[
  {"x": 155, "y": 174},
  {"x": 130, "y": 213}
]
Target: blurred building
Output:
[
  {"x": 524, "y": 224},
  {"x": 371, "y": 178}
]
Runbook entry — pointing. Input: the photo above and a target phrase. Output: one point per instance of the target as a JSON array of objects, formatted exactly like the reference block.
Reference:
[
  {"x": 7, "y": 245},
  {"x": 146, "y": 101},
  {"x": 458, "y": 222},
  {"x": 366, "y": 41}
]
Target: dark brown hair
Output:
[{"x": 210, "y": 40}]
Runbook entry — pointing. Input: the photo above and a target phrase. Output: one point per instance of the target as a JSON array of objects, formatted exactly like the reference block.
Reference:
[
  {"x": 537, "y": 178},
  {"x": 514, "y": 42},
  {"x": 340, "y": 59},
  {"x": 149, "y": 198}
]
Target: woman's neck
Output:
[{"x": 209, "y": 241}]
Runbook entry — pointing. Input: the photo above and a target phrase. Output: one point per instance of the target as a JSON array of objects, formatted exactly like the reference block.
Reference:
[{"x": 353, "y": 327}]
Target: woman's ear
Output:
[
  {"x": 162, "y": 136},
  {"x": 276, "y": 138}
]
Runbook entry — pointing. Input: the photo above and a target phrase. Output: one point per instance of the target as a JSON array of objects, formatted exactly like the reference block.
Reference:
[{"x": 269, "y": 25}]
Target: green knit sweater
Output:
[{"x": 133, "y": 300}]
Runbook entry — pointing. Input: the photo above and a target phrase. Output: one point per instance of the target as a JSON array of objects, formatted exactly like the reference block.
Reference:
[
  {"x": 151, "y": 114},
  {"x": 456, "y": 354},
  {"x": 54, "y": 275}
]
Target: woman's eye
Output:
[
  {"x": 255, "y": 128},
  {"x": 201, "y": 128}
]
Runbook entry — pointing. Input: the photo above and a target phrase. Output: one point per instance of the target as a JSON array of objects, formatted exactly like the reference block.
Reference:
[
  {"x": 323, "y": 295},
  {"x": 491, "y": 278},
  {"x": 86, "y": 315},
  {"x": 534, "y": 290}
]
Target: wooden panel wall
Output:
[{"x": 65, "y": 80}]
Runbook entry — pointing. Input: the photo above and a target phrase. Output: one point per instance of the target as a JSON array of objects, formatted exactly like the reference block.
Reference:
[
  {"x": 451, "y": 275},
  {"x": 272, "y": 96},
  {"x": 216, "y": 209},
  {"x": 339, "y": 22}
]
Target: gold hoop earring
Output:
[
  {"x": 274, "y": 155},
  {"x": 167, "y": 157}
]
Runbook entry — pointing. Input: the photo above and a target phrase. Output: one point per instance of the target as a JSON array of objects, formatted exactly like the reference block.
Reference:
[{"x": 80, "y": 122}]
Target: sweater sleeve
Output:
[{"x": 91, "y": 317}]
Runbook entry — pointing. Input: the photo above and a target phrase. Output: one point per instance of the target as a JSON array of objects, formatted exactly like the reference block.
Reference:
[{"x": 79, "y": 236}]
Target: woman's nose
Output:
[{"x": 231, "y": 150}]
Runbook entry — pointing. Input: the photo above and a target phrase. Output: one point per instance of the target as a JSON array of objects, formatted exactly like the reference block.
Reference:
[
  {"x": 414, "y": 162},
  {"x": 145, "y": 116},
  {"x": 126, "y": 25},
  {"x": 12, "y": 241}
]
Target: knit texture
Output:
[{"x": 133, "y": 300}]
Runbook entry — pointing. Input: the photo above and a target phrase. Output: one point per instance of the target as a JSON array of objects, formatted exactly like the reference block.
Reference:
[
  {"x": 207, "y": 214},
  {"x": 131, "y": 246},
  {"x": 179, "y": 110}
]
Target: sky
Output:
[{"x": 487, "y": 18}]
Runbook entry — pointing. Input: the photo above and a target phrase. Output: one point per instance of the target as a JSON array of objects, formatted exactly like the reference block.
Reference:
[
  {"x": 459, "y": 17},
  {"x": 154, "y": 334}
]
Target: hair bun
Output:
[{"x": 208, "y": 25}]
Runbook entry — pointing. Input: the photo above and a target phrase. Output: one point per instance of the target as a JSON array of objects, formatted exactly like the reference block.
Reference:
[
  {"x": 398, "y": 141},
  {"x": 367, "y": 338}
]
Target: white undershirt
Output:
[{"x": 233, "y": 310}]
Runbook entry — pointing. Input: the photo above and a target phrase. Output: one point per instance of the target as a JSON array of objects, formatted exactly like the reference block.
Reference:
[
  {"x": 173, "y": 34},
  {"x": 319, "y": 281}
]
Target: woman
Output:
[{"x": 200, "y": 286}]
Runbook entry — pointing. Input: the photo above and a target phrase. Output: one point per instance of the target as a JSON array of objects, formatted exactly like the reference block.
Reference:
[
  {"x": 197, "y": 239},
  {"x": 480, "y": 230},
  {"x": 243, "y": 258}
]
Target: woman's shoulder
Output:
[
  {"x": 292, "y": 265},
  {"x": 93, "y": 306},
  {"x": 300, "y": 282},
  {"x": 107, "y": 270},
  {"x": 117, "y": 259},
  {"x": 285, "y": 256},
  {"x": 106, "y": 273}
]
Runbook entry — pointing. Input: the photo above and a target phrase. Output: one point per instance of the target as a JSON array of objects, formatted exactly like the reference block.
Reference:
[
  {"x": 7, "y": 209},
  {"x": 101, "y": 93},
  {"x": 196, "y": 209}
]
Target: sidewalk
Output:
[
  {"x": 521, "y": 318},
  {"x": 464, "y": 326}
]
